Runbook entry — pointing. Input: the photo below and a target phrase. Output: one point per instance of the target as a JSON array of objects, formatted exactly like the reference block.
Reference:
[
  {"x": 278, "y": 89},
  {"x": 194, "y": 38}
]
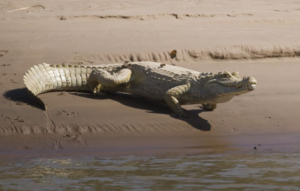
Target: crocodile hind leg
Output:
[
  {"x": 96, "y": 88},
  {"x": 209, "y": 106},
  {"x": 171, "y": 98},
  {"x": 101, "y": 79}
]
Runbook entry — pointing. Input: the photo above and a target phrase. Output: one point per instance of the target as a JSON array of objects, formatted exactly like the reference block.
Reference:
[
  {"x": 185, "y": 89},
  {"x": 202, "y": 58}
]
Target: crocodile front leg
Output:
[
  {"x": 100, "y": 79},
  {"x": 171, "y": 98}
]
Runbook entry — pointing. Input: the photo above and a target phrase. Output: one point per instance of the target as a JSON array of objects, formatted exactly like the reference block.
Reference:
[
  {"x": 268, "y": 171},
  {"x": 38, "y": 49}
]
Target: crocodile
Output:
[{"x": 175, "y": 85}]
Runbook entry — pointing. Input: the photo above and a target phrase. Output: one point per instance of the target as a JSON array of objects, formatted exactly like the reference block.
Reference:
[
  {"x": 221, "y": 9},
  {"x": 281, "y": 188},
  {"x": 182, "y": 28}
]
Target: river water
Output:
[{"x": 232, "y": 171}]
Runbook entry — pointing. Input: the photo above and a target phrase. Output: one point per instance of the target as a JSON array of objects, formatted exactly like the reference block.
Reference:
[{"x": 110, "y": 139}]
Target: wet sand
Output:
[{"x": 255, "y": 38}]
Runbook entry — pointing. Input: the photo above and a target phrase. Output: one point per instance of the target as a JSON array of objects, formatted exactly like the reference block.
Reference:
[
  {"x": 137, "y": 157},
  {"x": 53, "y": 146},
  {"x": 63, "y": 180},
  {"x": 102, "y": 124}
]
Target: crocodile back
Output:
[{"x": 153, "y": 80}]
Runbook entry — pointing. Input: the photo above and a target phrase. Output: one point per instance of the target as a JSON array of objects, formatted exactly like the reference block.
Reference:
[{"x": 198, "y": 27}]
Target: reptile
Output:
[{"x": 175, "y": 85}]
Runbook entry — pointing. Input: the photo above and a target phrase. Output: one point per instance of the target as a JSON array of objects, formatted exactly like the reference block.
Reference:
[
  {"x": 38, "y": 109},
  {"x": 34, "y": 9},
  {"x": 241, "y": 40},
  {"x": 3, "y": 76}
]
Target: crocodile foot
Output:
[
  {"x": 209, "y": 106},
  {"x": 97, "y": 91}
]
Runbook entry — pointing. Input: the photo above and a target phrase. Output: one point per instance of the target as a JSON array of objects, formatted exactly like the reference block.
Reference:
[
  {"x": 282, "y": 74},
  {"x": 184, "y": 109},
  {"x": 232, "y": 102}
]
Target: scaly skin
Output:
[{"x": 174, "y": 85}]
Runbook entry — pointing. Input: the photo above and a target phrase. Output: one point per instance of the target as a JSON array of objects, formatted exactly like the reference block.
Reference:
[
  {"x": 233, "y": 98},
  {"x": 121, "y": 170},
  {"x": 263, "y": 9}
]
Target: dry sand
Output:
[{"x": 256, "y": 38}]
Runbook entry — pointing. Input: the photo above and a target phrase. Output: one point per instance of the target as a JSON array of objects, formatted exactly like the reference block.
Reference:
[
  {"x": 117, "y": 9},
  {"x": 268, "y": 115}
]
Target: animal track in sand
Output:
[
  {"x": 5, "y": 64},
  {"x": 3, "y": 52},
  {"x": 12, "y": 120},
  {"x": 67, "y": 113},
  {"x": 76, "y": 138}
]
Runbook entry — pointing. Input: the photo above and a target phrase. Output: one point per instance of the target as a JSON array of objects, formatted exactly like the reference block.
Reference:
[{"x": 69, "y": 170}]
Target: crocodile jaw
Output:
[
  {"x": 244, "y": 86},
  {"x": 223, "y": 91}
]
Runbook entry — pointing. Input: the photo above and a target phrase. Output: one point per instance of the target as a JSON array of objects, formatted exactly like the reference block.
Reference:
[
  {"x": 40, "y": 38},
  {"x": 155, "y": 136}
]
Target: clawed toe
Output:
[{"x": 209, "y": 106}]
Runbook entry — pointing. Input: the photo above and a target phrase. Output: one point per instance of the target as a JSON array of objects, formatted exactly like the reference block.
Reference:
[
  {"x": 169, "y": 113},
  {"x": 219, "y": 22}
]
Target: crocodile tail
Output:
[{"x": 44, "y": 78}]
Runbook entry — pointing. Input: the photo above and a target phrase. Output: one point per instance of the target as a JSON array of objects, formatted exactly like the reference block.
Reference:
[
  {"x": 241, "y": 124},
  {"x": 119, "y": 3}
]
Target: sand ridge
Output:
[{"x": 237, "y": 52}]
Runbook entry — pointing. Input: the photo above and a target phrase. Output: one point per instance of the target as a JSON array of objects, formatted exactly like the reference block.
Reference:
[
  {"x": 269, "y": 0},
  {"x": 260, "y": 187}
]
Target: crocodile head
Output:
[{"x": 223, "y": 86}]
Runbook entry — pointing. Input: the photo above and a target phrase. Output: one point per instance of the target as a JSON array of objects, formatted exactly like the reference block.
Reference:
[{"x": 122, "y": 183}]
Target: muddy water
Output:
[{"x": 253, "y": 171}]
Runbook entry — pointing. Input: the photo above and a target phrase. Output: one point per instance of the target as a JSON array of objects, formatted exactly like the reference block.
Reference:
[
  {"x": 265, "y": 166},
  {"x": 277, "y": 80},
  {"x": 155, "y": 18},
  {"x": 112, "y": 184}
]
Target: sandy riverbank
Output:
[{"x": 257, "y": 39}]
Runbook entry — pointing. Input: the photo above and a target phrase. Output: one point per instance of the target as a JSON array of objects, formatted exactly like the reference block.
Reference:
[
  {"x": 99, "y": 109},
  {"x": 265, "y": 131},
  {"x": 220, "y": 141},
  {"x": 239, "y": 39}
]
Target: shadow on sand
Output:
[
  {"x": 21, "y": 95},
  {"x": 154, "y": 107}
]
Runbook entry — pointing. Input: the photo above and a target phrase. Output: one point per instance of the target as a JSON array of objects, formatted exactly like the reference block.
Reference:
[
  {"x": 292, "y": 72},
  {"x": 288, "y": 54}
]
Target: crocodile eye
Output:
[
  {"x": 225, "y": 76},
  {"x": 235, "y": 74}
]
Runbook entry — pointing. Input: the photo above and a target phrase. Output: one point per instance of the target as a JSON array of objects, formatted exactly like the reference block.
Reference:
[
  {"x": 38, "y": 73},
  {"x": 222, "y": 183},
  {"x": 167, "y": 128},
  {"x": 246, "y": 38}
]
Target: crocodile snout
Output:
[{"x": 251, "y": 83}]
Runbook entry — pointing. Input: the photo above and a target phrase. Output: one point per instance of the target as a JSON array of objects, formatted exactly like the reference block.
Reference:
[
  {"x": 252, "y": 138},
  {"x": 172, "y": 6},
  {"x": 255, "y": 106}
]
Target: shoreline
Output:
[{"x": 97, "y": 145}]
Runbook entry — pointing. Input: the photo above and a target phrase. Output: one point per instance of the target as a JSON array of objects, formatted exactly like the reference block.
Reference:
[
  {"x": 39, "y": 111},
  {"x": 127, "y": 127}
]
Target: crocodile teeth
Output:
[
  {"x": 248, "y": 86},
  {"x": 251, "y": 86}
]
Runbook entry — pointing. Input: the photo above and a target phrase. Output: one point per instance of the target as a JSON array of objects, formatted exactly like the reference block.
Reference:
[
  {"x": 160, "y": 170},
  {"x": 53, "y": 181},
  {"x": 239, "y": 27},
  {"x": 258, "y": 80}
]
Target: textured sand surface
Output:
[{"x": 256, "y": 38}]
